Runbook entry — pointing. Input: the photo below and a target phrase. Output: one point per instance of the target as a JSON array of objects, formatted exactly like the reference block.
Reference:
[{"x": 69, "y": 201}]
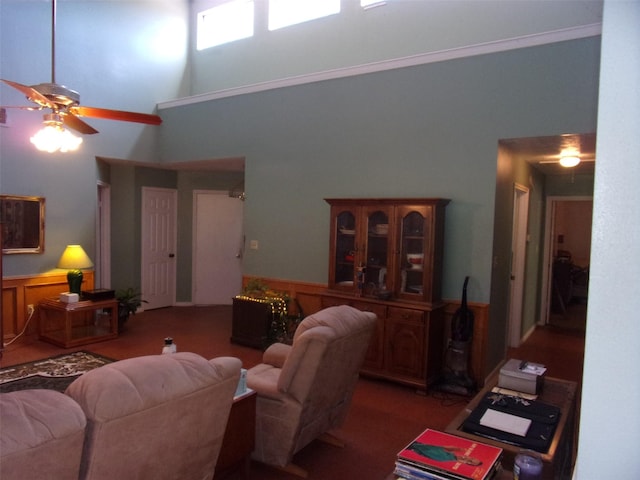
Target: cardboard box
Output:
[{"x": 513, "y": 377}]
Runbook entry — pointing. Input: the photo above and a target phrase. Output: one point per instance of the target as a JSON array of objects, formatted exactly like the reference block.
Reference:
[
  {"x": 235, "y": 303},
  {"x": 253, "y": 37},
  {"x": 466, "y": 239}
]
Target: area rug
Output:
[{"x": 54, "y": 373}]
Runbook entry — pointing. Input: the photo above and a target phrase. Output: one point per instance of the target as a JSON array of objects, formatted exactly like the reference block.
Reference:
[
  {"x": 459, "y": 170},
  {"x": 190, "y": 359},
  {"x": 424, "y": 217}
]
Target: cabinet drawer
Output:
[{"x": 406, "y": 315}]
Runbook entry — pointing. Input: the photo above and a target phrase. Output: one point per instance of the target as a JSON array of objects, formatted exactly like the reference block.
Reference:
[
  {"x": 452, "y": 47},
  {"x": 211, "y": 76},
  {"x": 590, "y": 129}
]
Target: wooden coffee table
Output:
[{"x": 558, "y": 460}]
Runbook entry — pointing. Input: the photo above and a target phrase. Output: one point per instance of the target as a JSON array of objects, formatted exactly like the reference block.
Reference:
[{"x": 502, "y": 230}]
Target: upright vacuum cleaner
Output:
[{"x": 456, "y": 378}]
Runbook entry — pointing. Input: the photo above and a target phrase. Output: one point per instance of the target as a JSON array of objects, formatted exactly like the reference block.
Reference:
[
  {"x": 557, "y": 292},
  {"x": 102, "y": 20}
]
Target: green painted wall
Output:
[
  {"x": 431, "y": 130},
  {"x": 125, "y": 240},
  {"x": 569, "y": 185}
]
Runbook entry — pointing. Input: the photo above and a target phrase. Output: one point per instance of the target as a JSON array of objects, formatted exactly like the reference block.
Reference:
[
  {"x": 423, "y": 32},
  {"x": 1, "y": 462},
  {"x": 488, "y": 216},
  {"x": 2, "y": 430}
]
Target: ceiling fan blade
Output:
[
  {"x": 31, "y": 94},
  {"x": 116, "y": 115},
  {"x": 73, "y": 122}
]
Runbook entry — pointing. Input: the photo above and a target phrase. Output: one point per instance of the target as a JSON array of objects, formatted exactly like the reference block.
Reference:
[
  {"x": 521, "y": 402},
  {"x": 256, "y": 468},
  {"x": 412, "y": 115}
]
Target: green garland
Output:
[{"x": 278, "y": 303}]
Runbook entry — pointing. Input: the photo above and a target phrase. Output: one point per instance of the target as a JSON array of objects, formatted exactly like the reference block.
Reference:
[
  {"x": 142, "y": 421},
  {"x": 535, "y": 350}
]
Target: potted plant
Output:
[
  {"x": 129, "y": 300},
  {"x": 284, "y": 325}
]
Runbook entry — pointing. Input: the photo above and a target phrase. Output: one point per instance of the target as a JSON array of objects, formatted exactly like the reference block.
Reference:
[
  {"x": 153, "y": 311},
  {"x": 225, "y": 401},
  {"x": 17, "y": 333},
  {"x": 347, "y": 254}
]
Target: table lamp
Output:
[{"x": 73, "y": 259}]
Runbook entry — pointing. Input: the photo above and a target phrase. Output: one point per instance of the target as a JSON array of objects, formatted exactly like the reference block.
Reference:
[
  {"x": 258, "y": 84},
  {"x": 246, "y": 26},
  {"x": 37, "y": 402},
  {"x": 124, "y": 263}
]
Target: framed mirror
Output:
[{"x": 22, "y": 221}]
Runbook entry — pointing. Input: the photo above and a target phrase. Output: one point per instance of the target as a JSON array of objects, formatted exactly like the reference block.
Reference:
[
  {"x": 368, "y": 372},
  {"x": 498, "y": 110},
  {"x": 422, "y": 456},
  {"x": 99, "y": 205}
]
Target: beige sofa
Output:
[
  {"x": 41, "y": 435},
  {"x": 304, "y": 390},
  {"x": 160, "y": 417}
]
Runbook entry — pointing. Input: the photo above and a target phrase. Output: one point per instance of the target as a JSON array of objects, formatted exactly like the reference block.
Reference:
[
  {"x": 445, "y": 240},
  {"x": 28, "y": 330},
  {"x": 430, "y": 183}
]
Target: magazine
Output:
[{"x": 450, "y": 456}]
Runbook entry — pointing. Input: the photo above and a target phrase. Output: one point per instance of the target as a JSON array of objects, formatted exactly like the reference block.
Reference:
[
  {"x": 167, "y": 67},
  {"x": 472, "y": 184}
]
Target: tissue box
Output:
[
  {"x": 513, "y": 378},
  {"x": 68, "y": 297}
]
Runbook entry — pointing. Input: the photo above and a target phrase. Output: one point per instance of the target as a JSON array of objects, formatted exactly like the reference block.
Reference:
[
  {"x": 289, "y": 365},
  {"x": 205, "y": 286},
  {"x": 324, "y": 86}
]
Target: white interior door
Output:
[
  {"x": 518, "y": 257},
  {"x": 218, "y": 247},
  {"x": 158, "y": 247}
]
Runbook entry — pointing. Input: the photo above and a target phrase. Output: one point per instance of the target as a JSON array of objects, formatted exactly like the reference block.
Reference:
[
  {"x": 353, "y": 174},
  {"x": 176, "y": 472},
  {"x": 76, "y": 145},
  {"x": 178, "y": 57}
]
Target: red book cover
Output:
[{"x": 456, "y": 457}]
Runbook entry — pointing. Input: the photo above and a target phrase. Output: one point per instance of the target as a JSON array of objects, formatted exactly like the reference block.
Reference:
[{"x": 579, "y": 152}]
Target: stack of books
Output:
[{"x": 435, "y": 455}]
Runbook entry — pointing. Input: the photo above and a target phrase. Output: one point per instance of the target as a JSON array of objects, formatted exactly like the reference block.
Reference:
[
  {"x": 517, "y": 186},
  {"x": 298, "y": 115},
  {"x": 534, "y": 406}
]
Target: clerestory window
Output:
[
  {"x": 227, "y": 22},
  {"x": 283, "y": 13},
  {"x": 372, "y": 3}
]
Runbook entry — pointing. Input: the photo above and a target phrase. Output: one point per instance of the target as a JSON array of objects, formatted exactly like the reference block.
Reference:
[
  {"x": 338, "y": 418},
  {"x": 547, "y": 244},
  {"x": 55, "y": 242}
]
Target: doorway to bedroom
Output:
[{"x": 568, "y": 257}]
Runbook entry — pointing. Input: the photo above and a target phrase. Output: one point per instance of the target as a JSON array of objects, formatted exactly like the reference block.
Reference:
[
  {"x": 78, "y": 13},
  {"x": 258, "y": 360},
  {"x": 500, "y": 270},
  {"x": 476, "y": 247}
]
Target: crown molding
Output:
[{"x": 573, "y": 33}]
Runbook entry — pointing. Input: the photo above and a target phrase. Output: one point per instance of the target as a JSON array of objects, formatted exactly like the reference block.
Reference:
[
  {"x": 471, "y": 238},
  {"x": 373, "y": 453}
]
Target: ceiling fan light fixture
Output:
[
  {"x": 569, "y": 161},
  {"x": 53, "y": 137}
]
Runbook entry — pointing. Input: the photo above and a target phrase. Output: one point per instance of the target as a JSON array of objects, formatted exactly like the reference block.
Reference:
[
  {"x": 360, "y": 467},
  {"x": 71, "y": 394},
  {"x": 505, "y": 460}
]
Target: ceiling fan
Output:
[{"x": 64, "y": 103}]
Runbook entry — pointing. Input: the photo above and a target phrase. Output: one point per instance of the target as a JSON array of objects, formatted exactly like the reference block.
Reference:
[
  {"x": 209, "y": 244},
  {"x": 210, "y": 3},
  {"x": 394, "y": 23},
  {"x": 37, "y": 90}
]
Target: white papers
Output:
[
  {"x": 535, "y": 368},
  {"x": 505, "y": 422},
  {"x": 514, "y": 393}
]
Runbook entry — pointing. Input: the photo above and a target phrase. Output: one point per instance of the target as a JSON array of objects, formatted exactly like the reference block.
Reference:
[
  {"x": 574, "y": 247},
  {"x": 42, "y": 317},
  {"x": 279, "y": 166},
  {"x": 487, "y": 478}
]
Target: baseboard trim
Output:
[{"x": 184, "y": 304}]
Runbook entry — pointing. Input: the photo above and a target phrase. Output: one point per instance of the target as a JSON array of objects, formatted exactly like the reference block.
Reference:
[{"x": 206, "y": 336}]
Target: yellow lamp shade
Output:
[{"x": 73, "y": 259}]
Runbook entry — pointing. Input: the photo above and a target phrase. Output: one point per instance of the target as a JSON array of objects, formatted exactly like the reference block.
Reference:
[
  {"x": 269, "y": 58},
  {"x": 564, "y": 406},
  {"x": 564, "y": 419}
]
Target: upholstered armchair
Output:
[
  {"x": 304, "y": 390},
  {"x": 41, "y": 435},
  {"x": 160, "y": 417}
]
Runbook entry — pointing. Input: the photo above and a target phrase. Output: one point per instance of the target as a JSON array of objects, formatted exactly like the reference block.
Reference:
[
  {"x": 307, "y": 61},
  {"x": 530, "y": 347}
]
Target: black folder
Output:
[{"x": 544, "y": 420}]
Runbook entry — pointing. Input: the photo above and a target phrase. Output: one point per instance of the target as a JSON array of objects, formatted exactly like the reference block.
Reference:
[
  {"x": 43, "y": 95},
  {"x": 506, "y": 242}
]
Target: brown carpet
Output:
[{"x": 383, "y": 419}]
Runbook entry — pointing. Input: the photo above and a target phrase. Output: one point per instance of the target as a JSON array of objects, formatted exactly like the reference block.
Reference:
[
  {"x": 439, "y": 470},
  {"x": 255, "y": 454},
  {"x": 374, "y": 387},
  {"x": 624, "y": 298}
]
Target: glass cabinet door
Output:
[
  {"x": 378, "y": 251},
  {"x": 345, "y": 250},
  {"x": 414, "y": 249},
  {"x": 388, "y": 249}
]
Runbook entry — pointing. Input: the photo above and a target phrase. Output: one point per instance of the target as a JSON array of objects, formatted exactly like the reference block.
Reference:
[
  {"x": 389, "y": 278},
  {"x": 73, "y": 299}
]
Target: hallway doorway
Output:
[{"x": 567, "y": 259}]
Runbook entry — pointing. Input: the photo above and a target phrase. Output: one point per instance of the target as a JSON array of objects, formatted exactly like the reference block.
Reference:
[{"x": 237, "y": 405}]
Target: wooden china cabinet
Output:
[{"x": 386, "y": 257}]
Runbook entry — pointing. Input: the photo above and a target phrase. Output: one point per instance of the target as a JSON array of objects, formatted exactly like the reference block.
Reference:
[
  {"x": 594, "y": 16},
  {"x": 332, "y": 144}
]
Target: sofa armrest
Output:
[{"x": 276, "y": 354}]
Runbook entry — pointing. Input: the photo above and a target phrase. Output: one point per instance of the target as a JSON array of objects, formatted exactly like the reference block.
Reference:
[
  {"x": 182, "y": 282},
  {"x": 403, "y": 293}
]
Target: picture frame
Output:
[{"x": 22, "y": 222}]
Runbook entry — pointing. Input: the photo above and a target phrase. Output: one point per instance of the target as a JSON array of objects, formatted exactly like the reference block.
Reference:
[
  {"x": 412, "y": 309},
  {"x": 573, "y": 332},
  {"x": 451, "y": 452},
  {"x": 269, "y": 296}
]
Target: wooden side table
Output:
[
  {"x": 71, "y": 324},
  {"x": 239, "y": 437}
]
